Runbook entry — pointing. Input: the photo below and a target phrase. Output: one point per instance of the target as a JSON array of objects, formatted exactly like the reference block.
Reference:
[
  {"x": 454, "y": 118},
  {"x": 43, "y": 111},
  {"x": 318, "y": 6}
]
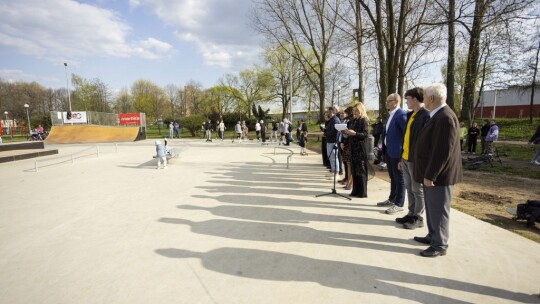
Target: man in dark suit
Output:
[
  {"x": 392, "y": 139},
  {"x": 437, "y": 164}
]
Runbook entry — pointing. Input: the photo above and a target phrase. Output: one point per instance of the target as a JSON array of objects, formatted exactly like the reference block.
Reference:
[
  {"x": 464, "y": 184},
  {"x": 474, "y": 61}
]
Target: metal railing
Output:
[
  {"x": 90, "y": 151},
  {"x": 291, "y": 153}
]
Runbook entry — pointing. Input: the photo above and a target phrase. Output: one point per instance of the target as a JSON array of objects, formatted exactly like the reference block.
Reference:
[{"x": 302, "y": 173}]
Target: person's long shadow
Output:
[
  {"x": 271, "y": 201},
  {"x": 281, "y": 233},
  {"x": 282, "y": 215},
  {"x": 267, "y": 265}
]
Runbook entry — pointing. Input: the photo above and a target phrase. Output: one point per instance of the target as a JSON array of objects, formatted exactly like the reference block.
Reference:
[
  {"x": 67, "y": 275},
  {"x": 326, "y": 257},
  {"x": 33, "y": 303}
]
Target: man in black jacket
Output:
[{"x": 416, "y": 119}]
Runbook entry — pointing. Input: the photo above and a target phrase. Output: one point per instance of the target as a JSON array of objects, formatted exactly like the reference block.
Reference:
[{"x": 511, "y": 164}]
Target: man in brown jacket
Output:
[{"x": 437, "y": 165}]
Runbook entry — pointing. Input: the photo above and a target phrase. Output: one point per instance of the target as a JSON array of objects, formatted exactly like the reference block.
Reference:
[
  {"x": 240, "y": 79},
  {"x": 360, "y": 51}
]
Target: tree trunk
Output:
[
  {"x": 359, "y": 53},
  {"x": 472, "y": 61},
  {"x": 450, "y": 63},
  {"x": 533, "y": 85}
]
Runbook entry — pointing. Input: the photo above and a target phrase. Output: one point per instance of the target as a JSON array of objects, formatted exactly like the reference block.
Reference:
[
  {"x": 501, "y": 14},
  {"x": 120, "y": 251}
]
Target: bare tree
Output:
[
  {"x": 173, "y": 94},
  {"x": 301, "y": 24}
]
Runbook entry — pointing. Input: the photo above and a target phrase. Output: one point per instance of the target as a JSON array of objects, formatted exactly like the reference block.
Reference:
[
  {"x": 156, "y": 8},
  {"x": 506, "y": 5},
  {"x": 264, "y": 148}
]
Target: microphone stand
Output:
[{"x": 333, "y": 190}]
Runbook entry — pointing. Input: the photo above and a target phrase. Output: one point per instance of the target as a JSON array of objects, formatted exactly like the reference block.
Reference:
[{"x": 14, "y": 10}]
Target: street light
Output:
[
  {"x": 26, "y": 106},
  {"x": 6, "y": 123},
  {"x": 67, "y": 82}
]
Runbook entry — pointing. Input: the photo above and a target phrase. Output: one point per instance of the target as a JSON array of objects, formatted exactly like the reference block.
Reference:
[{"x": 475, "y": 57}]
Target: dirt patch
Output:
[{"x": 487, "y": 195}]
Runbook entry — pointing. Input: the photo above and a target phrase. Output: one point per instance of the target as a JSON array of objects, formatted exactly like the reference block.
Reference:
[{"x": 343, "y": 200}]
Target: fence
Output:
[
  {"x": 97, "y": 118},
  {"x": 90, "y": 151}
]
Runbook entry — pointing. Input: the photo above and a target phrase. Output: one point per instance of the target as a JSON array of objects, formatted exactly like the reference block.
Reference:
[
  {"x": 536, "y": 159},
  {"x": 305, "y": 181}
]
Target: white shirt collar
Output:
[{"x": 431, "y": 113}]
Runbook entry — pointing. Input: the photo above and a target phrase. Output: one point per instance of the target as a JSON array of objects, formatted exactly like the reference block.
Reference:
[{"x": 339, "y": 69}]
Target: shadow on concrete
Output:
[
  {"x": 281, "y": 215},
  {"x": 275, "y": 266},
  {"x": 281, "y": 233},
  {"x": 284, "y": 202}
]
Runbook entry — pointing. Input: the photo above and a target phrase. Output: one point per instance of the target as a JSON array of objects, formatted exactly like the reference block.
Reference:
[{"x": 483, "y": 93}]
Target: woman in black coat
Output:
[{"x": 358, "y": 134}]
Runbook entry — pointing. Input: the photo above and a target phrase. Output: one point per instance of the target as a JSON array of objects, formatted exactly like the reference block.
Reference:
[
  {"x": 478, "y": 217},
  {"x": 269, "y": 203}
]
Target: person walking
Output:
[
  {"x": 437, "y": 165},
  {"x": 171, "y": 130},
  {"x": 415, "y": 193},
  {"x": 273, "y": 135},
  {"x": 483, "y": 133},
  {"x": 472, "y": 138},
  {"x": 302, "y": 139},
  {"x": 221, "y": 130},
  {"x": 176, "y": 128},
  {"x": 238, "y": 132},
  {"x": 491, "y": 137},
  {"x": 535, "y": 139},
  {"x": 161, "y": 156},
  {"x": 258, "y": 130},
  {"x": 392, "y": 139},
  {"x": 358, "y": 133},
  {"x": 208, "y": 130},
  {"x": 263, "y": 132}
]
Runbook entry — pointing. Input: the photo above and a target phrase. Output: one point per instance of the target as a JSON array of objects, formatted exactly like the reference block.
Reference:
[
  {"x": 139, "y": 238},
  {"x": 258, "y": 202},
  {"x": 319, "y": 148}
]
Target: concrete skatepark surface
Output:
[
  {"x": 90, "y": 134},
  {"x": 229, "y": 223}
]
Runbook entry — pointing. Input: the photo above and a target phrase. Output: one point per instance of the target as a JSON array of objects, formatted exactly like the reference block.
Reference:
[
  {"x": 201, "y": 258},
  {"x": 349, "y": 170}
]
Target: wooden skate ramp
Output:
[{"x": 90, "y": 134}]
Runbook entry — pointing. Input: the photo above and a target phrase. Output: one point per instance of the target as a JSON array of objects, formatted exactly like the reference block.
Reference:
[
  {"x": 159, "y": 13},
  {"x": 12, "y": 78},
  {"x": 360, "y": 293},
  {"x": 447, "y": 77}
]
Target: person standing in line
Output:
[
  {"x": 346, "y": 118},
  {"x": 437, "y": 165},
  {"x": 273, "y": 135},
  {"x": 263, "y": 132},
  {"x": 462, "y": 134},
  {"x": 171, "y": 130},
  {"x": 472, "y": 137},
  {"x": 358, "y": 133},
  {"x": 176, "y": 128},
  {"x": 161, "y": 156},
  {"x": 324, "y": 153},
  {"x": 258, "y": 130},
  {"x": 483, "y": 133},
  {"x": 377, "y": 131},
  {"x": 221, "y": 130},
  {"x": 416, "y": 119},
  {"x": 331, "y": 135},
  {"x": 535, "y": 139},
  {"x": 392, "y": 139},
  {"x": 491, "y": 137},
  {"x": 238, "y": 131}
]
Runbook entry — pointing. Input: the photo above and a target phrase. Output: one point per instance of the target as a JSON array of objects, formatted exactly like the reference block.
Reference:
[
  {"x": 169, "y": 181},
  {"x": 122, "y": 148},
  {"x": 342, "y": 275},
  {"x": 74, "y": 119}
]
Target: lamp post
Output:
[
  {"x": 26, "y": 106},
  {"x": 67, "y": 82},
  {"x": 6, "y": 123}
]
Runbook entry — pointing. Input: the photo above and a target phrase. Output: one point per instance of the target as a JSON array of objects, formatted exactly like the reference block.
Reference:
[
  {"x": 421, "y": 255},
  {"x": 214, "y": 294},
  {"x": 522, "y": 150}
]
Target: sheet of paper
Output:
[{"x": 340, "y": 127}]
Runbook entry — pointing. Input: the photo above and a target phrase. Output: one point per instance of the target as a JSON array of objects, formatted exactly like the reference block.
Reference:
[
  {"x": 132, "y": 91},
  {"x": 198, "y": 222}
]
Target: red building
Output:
[{"x": 513, "y": 102}]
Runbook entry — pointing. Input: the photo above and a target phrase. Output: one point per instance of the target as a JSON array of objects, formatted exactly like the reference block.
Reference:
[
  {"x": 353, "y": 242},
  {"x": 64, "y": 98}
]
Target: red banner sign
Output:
[{"x": 130, "y": 118}]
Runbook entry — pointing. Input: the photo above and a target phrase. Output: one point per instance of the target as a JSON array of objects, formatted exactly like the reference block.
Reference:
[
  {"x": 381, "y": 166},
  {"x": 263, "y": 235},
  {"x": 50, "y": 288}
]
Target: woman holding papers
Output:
[{"x": 358, "y": 133}]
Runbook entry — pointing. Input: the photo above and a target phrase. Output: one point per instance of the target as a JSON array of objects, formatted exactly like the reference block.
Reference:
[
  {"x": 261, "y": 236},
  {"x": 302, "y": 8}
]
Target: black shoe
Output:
[
  {"x": 403, "y": 220},
  {"x": 414, "y": 223},
  {"x": 422, "y": 240},
  {"x": 432, "y": 252}
]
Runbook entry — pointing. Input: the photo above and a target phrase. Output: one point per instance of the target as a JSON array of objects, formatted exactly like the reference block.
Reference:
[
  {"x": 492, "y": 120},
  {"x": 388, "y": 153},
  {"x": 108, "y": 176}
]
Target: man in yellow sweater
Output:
[{"x": 416, "y": 119}]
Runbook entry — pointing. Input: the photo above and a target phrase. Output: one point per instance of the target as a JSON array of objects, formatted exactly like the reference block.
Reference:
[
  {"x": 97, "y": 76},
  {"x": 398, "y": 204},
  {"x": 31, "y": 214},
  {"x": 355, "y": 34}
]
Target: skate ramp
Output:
[{"x": 91, "y": 134}]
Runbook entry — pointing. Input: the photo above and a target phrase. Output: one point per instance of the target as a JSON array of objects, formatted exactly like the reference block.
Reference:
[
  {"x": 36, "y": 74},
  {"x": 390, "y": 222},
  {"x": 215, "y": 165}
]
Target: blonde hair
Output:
[{"x": 361, "y": 109}]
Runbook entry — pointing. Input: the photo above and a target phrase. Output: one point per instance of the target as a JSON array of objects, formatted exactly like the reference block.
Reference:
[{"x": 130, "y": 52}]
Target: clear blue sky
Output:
[{"x": 119, "y": 42}]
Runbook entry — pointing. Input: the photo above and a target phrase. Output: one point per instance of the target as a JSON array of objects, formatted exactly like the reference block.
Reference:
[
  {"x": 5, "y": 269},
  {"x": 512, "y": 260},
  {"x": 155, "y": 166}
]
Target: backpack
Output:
[
  {"x": 290, "y": 127},
  {"x": 529, "y": 211}
]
